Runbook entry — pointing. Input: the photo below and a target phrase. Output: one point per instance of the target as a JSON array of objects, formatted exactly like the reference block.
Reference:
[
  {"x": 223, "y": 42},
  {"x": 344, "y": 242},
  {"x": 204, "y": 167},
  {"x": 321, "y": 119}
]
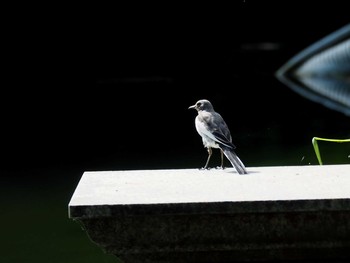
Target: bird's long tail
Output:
[{"x": 235, "y": 161}]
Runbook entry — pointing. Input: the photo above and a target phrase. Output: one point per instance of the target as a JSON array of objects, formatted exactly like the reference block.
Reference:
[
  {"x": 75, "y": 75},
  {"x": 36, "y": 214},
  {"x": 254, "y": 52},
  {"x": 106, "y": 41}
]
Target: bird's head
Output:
[{"x": 202, "y": 105}]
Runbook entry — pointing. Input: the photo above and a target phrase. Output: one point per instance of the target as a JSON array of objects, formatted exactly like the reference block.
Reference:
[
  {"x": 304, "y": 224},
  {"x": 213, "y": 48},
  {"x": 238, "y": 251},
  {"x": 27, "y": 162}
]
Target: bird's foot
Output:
[
  {"x": 204, "y": 168},
  {"x": 220, "y": 167}
]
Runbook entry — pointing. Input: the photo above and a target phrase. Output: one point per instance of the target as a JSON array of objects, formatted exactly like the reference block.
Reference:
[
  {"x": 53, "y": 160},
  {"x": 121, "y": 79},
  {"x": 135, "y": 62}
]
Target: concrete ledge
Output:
[{"x": 272, "y": 213}]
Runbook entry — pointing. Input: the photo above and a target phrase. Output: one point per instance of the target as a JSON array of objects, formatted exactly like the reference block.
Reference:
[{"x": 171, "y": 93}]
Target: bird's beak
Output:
[{"x": 192, "y": 107}]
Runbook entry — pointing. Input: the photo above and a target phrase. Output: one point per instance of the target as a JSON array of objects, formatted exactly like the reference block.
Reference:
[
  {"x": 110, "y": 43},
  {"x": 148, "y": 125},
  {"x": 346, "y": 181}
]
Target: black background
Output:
[{"x": 108, "y": 87}]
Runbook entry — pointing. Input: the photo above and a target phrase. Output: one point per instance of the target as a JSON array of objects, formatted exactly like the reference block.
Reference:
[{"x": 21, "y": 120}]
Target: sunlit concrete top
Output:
[{"x": 265, "y": 189}]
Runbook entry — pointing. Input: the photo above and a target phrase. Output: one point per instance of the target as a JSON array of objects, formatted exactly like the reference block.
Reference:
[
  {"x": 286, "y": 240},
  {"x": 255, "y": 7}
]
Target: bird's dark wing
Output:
[
  {"x": 221, "y": 131},
  {"x": 222, "y": 139}
]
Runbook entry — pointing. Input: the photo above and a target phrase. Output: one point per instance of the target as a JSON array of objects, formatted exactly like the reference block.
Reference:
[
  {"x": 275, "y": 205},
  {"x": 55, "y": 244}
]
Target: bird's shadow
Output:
[
  {"x": 249, "y": 172},
  {"x": 227, "y": 170}
]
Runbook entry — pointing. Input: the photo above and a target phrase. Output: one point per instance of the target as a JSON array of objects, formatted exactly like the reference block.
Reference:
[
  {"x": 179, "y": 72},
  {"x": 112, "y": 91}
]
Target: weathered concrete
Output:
[{"x": 272, "y": 213}]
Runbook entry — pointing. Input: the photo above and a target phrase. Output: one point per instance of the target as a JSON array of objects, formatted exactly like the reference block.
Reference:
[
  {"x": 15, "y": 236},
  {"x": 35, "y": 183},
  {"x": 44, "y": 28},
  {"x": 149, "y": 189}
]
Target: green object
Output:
[{"x": 317, "y": 151}]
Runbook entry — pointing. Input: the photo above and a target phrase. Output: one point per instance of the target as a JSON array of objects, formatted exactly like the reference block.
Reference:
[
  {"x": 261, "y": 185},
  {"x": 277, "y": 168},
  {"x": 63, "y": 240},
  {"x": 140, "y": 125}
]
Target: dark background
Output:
[
  {"x": 113, "y": 84},
  {"x": 108, "y": 87}
]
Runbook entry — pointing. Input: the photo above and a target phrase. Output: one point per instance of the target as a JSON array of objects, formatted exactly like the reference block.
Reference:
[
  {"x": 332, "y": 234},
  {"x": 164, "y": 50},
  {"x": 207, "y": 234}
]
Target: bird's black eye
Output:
[{"x": 199, "y": 104}]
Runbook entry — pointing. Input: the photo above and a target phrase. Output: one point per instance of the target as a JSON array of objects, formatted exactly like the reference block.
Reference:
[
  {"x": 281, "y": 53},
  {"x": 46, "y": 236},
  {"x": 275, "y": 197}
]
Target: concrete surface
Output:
[
  {"x": 172, "y": 187},
  {"x": 272, "y": 213}
]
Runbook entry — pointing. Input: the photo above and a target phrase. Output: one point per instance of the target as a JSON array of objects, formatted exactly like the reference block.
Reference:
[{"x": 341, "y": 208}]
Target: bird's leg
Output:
[
  {"x": 210, "y": 152},
  {"x": 222, "y": 161}
]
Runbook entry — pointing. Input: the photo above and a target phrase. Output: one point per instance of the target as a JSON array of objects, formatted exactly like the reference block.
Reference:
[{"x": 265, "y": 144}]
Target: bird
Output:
[{"x": 215, "y": 134}]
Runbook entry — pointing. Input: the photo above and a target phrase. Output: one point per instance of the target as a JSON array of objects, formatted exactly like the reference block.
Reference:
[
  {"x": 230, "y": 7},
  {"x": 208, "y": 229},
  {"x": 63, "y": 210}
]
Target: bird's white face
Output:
[{"x": 201, "y": 105}]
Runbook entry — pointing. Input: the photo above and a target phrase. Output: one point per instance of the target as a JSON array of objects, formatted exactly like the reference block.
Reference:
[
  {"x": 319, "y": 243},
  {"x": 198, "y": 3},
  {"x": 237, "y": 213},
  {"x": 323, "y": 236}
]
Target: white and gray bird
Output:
[{"x": 215, "y": 134}]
